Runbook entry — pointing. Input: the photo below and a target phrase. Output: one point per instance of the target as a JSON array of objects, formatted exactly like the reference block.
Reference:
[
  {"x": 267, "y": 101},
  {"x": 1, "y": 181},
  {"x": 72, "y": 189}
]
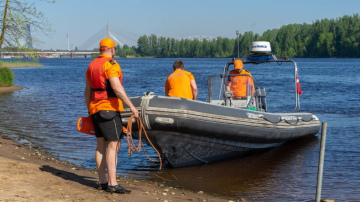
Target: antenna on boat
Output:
[{"x": 237, "y": 36}]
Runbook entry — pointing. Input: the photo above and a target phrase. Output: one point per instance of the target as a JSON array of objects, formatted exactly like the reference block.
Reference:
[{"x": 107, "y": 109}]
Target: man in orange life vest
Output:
[
  {"x": 241, "y": 86},
  {"x": 104, "y": 97},
  {"x": 181, "y": 83}
]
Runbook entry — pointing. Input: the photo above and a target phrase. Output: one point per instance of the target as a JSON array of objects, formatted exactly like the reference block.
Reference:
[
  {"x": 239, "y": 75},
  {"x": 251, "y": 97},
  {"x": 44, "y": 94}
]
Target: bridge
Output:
[
  {"x": 200, "y": 38},
  {"x": 92, "y": 42},
  {"x": 120, "y": 36},
  {"x": 50, "y": 54},
  {"x": 115, "y": 33}
]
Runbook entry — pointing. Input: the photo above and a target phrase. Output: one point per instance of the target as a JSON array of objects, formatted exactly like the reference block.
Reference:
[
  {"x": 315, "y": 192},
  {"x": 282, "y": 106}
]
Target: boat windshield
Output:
[
  {"x": 241, "y": 85},
  {"x": 236, "y": 88}
]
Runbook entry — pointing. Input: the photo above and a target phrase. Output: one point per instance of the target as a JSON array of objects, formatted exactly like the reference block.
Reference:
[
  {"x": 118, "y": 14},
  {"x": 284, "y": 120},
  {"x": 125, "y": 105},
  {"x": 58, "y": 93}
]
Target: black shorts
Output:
[{"x": 107, "y": 124}]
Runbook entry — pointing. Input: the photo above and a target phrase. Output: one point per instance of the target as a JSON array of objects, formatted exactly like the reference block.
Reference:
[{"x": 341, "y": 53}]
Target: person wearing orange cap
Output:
[
  {"x": 181, "y": 83},
  {"x": 104, "y": 97},
  {"x": 241, "y": 86}
]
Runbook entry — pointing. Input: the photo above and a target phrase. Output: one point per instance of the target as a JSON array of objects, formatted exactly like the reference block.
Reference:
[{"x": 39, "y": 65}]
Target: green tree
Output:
[
  {"x": 174, "y": 48},
  {"x": 324, "y": 38},
  {"x": 196, "y": 51},
  {"x": 131, "y": 52},
  {"x": 154, "y": 46},
  {"x": 164, "y": 48},
  {"x": 144, "y": 48},
  {"x": 228, "y": 47},
  {"x": 245, "y": 43},
  {"x": 219, "y": 51},
  {"x": 16, "y": 15},
  {"x": 206, "y": 48}
]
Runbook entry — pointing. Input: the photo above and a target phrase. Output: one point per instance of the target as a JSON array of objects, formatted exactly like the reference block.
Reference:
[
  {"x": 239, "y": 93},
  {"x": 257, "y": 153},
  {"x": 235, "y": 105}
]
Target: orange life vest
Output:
[
  {"x": 242, "y": 85},
  {"x": 101, "y": 88},
  {"x": 178, "y": 84}
]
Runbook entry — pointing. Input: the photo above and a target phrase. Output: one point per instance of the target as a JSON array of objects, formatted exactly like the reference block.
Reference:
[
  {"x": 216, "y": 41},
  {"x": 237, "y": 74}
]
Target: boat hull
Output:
[{"x": 188, "y": 132}]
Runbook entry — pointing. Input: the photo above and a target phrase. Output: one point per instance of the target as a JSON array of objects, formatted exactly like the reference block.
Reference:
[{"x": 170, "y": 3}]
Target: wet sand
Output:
[{"x": 28, "y": 175}]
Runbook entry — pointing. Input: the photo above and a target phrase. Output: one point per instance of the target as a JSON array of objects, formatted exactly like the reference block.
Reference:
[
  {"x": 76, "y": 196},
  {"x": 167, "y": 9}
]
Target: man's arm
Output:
[
  {"x": 194, "y": 89},
  {"x": 120, "y": 93},
  {"x": 167, "y": 88},
  {"x": 252, "y": 86},
  {"x": 88, "y": 92},
  {"x": 228, "y": 87},
  {"x": 228, "y": 84}
]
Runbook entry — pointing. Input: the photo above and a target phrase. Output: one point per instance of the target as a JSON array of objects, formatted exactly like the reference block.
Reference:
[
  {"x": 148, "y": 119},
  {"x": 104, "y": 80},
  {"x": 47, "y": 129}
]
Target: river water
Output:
[{"x": 45, "y": 112}]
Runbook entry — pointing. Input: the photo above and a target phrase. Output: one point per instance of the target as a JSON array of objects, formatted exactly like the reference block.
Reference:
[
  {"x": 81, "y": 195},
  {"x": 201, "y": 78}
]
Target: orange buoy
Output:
[{"x": 85, "y": 125}]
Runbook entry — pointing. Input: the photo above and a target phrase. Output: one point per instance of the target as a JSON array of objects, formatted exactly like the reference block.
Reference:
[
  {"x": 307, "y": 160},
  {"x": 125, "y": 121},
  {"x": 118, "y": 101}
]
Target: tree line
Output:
[{"x": 325, "y": 38}]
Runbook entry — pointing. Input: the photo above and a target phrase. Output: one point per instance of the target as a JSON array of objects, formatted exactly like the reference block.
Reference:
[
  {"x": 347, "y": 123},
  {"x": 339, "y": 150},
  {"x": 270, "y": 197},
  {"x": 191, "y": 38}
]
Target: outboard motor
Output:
[
  {"x": 261, "y": 99},
  {"x": 228, "y": 95}
]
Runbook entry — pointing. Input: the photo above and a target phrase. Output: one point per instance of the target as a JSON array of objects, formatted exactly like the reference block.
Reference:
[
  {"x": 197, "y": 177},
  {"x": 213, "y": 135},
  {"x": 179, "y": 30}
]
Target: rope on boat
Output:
[{"x": 131, "y": 143}]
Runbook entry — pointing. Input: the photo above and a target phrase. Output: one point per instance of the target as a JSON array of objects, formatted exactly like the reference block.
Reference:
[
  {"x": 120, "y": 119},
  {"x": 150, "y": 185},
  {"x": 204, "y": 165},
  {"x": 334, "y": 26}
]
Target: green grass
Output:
[
  {"x": 17, "y": 64},
  {"x": 6, "y": 77}
]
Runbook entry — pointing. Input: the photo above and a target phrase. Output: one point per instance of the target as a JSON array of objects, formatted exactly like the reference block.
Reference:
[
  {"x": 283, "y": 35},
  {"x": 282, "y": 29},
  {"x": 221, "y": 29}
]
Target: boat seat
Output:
[{"x": 260, "y": 99}]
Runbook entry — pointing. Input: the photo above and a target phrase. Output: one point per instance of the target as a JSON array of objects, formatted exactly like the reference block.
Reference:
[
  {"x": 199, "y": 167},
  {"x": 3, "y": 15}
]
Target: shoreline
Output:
[
  {"x": 10, "y": 89},
  {"x": 27, "y": 174}
]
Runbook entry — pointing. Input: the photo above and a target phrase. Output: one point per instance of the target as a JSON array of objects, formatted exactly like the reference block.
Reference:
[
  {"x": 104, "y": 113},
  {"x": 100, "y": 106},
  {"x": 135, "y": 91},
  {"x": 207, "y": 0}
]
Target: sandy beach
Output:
[{"x": 28, "y": 175}]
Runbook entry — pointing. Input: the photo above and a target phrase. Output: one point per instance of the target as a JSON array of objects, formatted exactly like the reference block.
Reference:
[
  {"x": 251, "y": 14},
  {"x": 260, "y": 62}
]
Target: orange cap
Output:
[
  {"x": 238, "y": 64},
  {"x": 106, "y": 43}
]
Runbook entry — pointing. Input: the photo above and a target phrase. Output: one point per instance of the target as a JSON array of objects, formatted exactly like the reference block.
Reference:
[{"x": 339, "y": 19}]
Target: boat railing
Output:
[{"x": 273, "y": 59}]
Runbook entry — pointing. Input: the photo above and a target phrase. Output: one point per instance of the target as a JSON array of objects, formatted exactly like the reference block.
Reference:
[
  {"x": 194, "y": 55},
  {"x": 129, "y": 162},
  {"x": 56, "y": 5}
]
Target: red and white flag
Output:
[
  {"x": 299, "y": 91},
  {"x": 67, "y": 35}
]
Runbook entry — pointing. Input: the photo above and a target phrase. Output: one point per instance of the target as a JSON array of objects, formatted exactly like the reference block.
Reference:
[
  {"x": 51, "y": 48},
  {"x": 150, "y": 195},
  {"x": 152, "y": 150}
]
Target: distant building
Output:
[{"x": 28, "y": 40}]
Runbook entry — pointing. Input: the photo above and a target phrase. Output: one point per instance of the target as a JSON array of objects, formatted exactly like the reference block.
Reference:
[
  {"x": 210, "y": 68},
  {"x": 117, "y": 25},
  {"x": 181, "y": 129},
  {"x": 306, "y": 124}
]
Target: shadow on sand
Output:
[{"x": 84, "y": 180}]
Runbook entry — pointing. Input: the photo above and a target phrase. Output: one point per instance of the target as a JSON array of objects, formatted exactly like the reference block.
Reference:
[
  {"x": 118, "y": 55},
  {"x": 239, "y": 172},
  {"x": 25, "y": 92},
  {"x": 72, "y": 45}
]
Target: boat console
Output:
[{"x": 255, "y": 98}]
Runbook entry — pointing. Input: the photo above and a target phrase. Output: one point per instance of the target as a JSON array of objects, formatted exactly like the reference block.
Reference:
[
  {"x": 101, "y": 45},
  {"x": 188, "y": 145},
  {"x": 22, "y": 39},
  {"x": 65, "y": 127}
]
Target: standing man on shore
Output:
[
  {"x": 104, "y": 97},
  {"x": 181, "y": 83}
]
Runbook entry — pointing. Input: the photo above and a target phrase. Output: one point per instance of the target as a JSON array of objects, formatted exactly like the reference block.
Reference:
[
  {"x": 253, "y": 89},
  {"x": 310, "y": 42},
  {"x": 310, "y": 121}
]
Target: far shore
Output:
[{"x": 19, "y": 64}]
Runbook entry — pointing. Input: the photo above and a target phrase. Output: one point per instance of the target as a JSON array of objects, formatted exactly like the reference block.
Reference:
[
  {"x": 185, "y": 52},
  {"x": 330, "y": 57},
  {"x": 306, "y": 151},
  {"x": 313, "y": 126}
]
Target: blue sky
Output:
[{"x": 85, "y": 20}]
